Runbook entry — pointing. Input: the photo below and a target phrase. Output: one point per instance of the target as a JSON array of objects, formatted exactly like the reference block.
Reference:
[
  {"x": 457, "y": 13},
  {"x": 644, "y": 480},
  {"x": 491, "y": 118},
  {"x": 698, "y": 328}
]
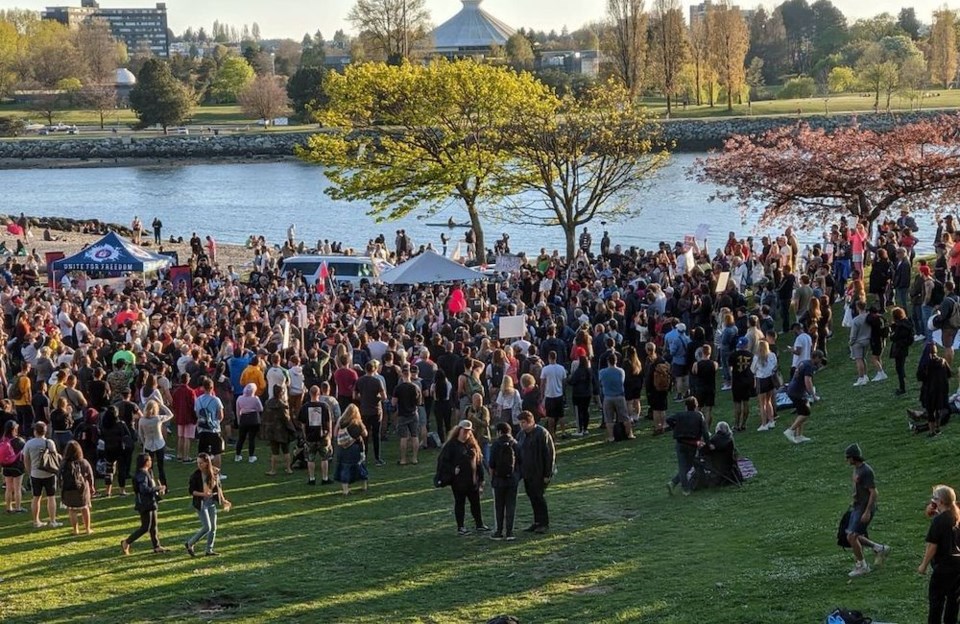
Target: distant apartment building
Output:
[
  {"x": 698, "y": 12},
  {"x": 135, "y": 27}
]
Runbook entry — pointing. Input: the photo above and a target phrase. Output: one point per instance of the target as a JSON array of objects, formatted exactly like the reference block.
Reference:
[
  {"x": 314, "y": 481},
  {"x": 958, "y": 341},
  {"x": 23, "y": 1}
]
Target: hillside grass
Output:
[
  {"x": 620, "y": 548},
  {"x": 845, "y": 103}
]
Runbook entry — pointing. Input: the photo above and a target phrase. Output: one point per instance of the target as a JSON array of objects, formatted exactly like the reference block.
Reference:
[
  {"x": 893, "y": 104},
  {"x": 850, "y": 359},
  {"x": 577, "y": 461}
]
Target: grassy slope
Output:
[{"x": 621, "y": 549}]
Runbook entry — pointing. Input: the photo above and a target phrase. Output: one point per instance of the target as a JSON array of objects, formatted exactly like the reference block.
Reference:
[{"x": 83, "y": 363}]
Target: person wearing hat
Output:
[
  {"x": 801, "y": 391},
  {"x": 861, "y": 513},
  {"x": 460, "y": 465}
]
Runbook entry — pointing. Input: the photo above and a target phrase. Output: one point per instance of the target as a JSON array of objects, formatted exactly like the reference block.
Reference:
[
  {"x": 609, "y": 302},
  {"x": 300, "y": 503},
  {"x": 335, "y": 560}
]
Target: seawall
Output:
[{"x": 686, "y": 134}]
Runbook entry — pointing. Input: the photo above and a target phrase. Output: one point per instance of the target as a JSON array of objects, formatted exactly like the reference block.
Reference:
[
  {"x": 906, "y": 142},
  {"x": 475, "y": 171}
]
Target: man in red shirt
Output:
[{"x": 184, "y": 416}]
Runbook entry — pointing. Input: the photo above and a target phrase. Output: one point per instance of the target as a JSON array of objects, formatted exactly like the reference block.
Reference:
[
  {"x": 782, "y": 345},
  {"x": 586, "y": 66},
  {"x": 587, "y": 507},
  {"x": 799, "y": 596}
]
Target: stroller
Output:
[{"x": 715, "y": 468}]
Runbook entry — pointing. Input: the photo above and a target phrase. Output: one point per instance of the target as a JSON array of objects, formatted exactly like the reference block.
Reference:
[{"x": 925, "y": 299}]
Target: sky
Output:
[{"x": 293, "y": 18}]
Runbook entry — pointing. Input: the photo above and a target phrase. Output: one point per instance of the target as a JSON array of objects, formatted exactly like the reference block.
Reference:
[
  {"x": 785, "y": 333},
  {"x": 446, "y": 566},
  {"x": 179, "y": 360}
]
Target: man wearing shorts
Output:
[
  {"x": 861, "y": 513},
  {"x": 407, "y": 399},
  {"x": 552, "y": 385},
  {"x": 43, "y": 483},
  {"x": 860, "y": 333},
  {"x": 316, "y": 420},
  {"x": 612, "y": 379},
  {"x": 801, "y": 390},
  {"x": 209, "y": 411}
]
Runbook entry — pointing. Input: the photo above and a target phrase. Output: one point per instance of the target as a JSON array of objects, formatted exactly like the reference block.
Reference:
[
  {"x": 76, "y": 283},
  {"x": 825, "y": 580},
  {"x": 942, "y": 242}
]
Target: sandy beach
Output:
[{"x": 71, "y": 242}]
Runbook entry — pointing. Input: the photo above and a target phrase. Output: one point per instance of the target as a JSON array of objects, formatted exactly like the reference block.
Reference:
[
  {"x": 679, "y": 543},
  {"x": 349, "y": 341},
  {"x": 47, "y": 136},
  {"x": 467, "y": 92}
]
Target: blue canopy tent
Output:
[{"x": 111, "y": 256}]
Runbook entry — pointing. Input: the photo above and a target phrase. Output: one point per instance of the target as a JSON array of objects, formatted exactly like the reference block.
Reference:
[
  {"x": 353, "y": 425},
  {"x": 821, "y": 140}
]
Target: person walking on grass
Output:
[
  {"x": 537, "y": 467},
  {"x": 504, "y": 460},
  {"x": 147, "y": 493},
  {"x": 460, "y": 465},
  {"x": 690, "y": 432},
  {"x": 942, "y": 553},
  {"x": 42, "y": 482},
  {"x": 860, "y": 333},
  {"x": 207, "y": 492},
  {"x": 862, "y": 510},
  {"x": 801, "y": 392}
]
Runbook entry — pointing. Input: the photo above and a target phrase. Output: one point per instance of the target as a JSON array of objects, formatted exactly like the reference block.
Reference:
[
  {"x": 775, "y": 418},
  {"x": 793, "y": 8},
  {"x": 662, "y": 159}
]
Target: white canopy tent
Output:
[{"x": 429, "y": 268}]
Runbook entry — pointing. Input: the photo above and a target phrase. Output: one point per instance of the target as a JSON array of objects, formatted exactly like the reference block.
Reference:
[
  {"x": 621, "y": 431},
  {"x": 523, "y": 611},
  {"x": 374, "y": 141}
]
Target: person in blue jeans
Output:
[
  {"x": 207, "y": 493},
  {"x": 690, "y": 433}
]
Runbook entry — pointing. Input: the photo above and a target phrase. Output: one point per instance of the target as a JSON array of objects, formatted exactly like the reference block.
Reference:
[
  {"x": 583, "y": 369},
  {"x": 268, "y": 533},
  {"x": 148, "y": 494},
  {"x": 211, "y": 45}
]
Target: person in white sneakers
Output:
[
  {"x": 43, "y": 482},
  {"x": 860, "y": 332},
  {"x": 862, "y": 510},
  {"x": 879, "y": 330},
  {"x": 801, "y": 392}
]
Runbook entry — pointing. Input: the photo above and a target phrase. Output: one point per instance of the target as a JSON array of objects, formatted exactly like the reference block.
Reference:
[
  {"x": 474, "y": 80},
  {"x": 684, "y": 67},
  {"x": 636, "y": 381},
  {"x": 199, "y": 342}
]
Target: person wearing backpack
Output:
[
  {"x": 77, "y": 486},
  {"x": 658, "y": 384},
  {"x": 504, "y": 464},
  {"x": 38, "y": 453},
  {"x": 11, "y": 459},
  {"x": 209, "y": 411}
]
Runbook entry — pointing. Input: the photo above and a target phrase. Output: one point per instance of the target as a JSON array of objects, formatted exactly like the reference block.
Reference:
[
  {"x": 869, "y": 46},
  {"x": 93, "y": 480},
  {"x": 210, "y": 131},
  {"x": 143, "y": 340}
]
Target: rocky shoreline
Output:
[{"x": 689, "y": 135}]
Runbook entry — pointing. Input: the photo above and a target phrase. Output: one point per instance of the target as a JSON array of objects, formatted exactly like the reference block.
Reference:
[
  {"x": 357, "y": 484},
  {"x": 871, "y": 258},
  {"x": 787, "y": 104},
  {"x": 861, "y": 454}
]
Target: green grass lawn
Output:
[
  {"x": 620, "y": 548},
  {"x": 941, "y": 98}
]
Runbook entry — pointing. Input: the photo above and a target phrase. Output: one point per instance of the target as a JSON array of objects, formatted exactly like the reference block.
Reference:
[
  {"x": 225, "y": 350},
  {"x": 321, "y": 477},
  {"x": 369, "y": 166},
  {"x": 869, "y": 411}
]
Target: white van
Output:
[{"x": 342, "y": 269}]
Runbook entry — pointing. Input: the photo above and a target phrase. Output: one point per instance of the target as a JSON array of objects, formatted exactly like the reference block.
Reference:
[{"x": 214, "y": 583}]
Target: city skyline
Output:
[{"x": 293, "y": 18}]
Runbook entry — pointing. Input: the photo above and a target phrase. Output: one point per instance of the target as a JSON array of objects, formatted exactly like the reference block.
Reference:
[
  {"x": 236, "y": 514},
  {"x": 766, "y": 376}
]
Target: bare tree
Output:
[
  {"x": 394, "y": 26},
  {"x": 669, "y": 46},
  {"x": 626, "y": 43},
  {"x": 264, "y": 98},
  {"x": 101, "y": 98},
  {"x": 98, "y": 50}
]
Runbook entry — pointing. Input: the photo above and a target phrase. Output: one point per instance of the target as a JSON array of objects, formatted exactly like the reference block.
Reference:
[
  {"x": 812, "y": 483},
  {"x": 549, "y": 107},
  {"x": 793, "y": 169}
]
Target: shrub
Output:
[{"x": 802, "y": 87}]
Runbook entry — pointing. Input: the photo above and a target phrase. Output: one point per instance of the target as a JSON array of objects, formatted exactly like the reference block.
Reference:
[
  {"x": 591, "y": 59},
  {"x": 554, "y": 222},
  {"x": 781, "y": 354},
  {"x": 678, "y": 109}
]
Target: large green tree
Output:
[
  {"x": 585, "y": 159},
  {"x": 414, "y": 137},
  {"x": 159, "y": 98},
  {"x": 306, "y": 91},
  {"x": 233, "y": 77}
]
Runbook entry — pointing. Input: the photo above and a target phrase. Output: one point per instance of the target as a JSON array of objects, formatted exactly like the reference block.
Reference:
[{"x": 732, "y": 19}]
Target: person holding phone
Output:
[
  {"x": 147, "y": 495},
  {"x": 207, "y": 493}
]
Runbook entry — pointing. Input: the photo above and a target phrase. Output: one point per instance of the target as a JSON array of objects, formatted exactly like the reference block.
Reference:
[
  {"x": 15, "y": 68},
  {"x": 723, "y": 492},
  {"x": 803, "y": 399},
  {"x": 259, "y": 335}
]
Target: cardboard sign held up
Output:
[
  {"x": 722, "y": 280},
  {"x": 512, "y": 327}
]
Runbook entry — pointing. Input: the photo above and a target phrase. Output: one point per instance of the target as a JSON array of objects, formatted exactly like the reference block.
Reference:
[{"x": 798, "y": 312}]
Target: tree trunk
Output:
[
  {"x": 669, "y": 109},
  {"x": 697, "y": 81},
  {"x": 729, "y": 99},
  {"x": 480, "y": 250},
  {"x": 570, "y": 234}
]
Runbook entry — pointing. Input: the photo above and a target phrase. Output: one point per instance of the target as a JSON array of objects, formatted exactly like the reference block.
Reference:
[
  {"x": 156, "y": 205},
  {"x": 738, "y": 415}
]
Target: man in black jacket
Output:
[
  {"x": 690, "y": 433},
  {"x": 901, "y": 278},
  {"x": 537, "y": 466}
]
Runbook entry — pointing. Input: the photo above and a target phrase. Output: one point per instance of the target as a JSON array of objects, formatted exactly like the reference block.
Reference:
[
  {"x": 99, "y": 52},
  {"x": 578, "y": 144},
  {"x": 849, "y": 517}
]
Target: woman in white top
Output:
[
  {"x": 765, "y": 369},
  {"x": 150, "y": 432},
  {"x": 150, "y": 392},
  {"x": 508, "y": 402}
]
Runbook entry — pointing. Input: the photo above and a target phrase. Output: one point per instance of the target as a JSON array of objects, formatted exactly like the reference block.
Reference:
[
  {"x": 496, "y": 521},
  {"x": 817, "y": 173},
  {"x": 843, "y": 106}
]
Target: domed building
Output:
[
  {"x": 471, "y": 32},
  {"x": 124, "y": 82}
]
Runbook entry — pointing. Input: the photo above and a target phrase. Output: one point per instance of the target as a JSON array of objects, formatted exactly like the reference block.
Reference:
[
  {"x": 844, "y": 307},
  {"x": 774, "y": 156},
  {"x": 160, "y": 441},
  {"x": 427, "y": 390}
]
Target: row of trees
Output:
[
  {"x": 810, "y": 47},
  {"x": 482, "y": 135}
]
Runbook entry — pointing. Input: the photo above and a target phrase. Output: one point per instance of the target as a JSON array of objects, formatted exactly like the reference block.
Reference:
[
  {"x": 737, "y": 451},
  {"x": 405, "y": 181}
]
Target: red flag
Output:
[{"x": 322, "y": 279}]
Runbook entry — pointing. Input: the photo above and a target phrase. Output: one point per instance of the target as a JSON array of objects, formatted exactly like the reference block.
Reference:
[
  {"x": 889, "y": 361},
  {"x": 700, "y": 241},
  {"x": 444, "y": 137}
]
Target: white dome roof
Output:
[
  {"x": 472, "y": 28},
  {"x": 125, "y": 78}
]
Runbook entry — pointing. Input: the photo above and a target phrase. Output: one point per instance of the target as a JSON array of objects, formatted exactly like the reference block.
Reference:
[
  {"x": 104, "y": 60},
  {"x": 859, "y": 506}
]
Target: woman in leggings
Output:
[
  {"x": 147, "y": 494},
  {"x": 249, "y": 411}
]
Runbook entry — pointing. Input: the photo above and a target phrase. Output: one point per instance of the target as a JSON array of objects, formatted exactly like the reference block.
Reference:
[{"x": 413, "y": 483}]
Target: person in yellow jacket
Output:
[
  {"x": 23, "y": 398},
  {"x": 253, "y": 373}
]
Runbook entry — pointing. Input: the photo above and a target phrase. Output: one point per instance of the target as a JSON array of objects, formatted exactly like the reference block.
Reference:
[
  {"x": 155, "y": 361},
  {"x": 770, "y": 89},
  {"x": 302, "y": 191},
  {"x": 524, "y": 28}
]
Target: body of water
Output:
[{"x": 233, "y": 201}]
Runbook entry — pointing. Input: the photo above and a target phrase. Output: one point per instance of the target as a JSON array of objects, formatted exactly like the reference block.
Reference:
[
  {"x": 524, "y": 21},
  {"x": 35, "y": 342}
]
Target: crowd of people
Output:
[{"x": 105, "y": 376}]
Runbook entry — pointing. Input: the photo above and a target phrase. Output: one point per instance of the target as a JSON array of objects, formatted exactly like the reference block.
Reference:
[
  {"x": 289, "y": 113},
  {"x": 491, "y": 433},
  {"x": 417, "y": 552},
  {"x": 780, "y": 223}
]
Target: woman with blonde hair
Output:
[
  {"x": 460, "y": 465},
  {"x": 508, "y": 403},
  {"x": 351, "y": 457},
  {"x": 633, "y": 382},
  {"x": 150, "y": 433},
  {"x": 765, "y": 369},
  {"x": 943, "y": 554}
]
